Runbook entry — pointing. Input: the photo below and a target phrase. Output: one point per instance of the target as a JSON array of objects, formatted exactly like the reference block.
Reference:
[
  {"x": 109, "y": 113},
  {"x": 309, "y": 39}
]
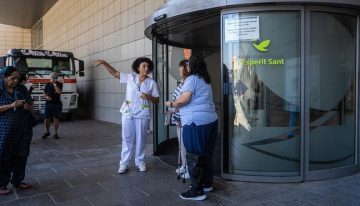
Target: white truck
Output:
[{"x": 38, "y": 64}]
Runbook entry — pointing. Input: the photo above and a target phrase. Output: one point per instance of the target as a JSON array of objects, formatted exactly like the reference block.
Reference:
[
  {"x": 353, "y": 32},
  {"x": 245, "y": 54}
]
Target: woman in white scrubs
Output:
[{"x": 140, "y": 91}]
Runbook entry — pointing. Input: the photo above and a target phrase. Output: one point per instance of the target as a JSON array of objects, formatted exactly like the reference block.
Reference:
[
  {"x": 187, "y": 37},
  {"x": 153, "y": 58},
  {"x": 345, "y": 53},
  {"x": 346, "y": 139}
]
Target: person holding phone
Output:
[
  {"x": 12, "y": 131},
  {"x": 18, "y": 171},
  {"x": 53, "y": 105}
]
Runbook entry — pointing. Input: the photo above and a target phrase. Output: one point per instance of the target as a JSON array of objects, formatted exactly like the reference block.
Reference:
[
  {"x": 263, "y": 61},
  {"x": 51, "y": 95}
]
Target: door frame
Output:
[{"x": 340, "y": 171}]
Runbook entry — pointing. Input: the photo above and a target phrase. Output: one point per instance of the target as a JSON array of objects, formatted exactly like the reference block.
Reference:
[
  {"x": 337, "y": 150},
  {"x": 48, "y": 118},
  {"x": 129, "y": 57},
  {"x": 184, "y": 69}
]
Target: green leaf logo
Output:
[{"x": 262, "y": 46}]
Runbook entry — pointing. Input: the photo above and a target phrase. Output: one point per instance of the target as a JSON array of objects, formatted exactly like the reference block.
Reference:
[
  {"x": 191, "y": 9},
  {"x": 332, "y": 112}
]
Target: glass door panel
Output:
[
  {"x": 332, "y": 90},
  {"x": 261, "y": 66},
  {"x": 160, "y": 134},
  {"x": 167, "y": 59}
]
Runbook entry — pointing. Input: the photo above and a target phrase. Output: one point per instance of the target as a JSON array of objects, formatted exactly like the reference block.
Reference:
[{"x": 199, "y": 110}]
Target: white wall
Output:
[
  {"x": 13, "y": 37},
  {"x": 100, "y": 29}
]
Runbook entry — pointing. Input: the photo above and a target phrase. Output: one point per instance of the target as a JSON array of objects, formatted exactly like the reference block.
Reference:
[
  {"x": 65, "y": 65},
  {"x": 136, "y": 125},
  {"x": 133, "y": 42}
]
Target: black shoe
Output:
[
  {"x": 46, "y": 134},
  {"x": 56, "y": 136},
  {"x": 193, "y": 195}
]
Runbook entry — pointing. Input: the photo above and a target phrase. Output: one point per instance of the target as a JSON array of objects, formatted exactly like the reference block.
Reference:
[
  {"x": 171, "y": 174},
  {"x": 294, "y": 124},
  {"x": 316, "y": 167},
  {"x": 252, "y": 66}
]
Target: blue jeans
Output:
[{"x": 200, "y": 140}]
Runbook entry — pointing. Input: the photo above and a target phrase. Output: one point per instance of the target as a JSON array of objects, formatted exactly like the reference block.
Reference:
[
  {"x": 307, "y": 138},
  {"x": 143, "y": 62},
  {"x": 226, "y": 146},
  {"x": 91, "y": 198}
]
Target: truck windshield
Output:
[{"x": 44, "y": 66}]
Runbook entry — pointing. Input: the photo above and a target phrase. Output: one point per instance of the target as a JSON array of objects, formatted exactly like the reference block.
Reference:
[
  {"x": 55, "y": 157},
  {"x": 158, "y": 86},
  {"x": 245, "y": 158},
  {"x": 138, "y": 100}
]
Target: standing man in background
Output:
[{"x": 53, "y": 105}]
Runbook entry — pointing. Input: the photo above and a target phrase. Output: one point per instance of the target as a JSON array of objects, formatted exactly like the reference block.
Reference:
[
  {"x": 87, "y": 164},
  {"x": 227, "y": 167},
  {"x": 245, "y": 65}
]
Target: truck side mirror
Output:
[
  {"x": 81, "y": 65},
  {"x": 81, "y": 68},
  {"x": 2, "y": 62}
]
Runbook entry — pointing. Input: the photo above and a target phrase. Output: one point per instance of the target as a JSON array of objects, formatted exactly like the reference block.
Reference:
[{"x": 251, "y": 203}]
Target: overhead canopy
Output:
[
  {"x": 23, "y": 13},
  {"x": 196, "y": 24},
  {"x": 192, "y": 24}
]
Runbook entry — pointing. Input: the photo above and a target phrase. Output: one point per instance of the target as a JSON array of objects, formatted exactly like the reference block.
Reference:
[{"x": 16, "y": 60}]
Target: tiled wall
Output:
[
  {"x": 13, "y": 37},
  {"x": 100, "y": 29}
]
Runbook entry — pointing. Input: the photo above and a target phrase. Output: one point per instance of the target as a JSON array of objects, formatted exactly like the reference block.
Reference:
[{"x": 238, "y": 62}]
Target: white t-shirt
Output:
[{"x": 134, "y": 106}]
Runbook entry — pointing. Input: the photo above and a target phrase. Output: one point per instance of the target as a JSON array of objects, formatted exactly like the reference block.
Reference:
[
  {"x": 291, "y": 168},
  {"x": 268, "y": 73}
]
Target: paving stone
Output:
[
  {"x": 336, "y": 199},
  {"x": 118, "y": 196},
  {"x": 34, "y": 161},
  {"x": 75, "y": 202},
  {"x": 241, "y": 192},
  {"x": 38, "y": 189},
  {"x": 94, "y": 152},
  {"x": 81, "y": 169},
  {"x": 57, "y": 158},
  {"x": 125, "y": 180},
  {"x": 93, "y": 179},
  {"x": 172, "y": 198},
  {"x": 76, "y": 192},
  {"x": 46, "y": 165},
  {"x": 60, "y": 177},
  {"x": 71, "y": 167},
  {"x": 31, "y": 201},
  {"x": 6, "y": 198},
  {"x": 353, "y": 189},
  {"x": 95, "y": 157},
  {"x": 158, "y": 186},
  {"x": 298, "y": 195},
  {"x": 39, "y": 173},
  {"x": 113, "y": 162}
]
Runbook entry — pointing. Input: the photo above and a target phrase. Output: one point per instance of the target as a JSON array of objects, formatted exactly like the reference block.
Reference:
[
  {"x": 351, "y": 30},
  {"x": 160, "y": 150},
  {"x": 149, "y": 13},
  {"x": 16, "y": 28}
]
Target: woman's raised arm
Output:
[{"x": 109, "y": 68}]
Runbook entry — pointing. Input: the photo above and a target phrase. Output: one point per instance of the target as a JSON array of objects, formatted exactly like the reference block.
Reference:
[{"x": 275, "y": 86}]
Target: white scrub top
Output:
[{"x": 134, "y": 106}]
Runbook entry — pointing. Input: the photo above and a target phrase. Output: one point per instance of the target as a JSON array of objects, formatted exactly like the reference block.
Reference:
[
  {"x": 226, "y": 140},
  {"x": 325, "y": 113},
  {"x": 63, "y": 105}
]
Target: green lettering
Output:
[{"x": 276, "y": 61}]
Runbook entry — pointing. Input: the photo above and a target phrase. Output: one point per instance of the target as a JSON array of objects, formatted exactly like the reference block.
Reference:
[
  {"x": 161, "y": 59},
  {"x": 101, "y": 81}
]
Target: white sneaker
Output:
[
  {"x": 142, "y": 167},
  {"x": 181, "y": 170},
  {"x": 186, "y": 175},
  {"x": 208, "y": 189},
  {"x": 122, "y": 169}
]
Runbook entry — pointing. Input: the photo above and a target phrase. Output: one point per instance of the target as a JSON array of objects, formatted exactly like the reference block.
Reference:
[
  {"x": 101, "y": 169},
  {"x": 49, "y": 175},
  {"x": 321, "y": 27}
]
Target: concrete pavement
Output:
[{"x": 81, "y": 169}]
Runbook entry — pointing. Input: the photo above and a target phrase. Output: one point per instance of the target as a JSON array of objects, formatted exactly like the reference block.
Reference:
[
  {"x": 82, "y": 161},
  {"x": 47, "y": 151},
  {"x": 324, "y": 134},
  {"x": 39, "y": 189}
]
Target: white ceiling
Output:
[{"x": 23, "y": 13}]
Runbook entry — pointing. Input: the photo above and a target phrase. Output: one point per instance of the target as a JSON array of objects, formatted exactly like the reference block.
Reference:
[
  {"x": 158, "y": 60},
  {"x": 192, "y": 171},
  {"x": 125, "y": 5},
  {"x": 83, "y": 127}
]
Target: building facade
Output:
[
  {"x": 94, "y": 29},
  {"x": 13, "y": 37}
]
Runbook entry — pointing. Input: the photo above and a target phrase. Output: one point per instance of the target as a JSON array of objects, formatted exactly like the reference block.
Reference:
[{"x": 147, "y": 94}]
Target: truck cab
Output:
[{"x": 38, "y": 64}]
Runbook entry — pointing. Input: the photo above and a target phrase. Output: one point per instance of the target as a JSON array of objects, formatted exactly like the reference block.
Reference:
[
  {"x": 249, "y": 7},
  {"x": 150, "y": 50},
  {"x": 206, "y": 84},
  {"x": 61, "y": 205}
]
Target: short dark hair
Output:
[
  {"x": 198, "y": 67},
  {"x": 9, "y": 70},
  {"x": 184, "y": 63},
  {"x": 135, "y": 65},
  {"x": 23, "y": 77}
]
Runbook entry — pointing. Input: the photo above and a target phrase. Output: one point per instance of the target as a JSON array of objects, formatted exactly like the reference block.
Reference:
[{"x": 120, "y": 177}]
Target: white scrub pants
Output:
[{"x": 133, "y": 128}]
